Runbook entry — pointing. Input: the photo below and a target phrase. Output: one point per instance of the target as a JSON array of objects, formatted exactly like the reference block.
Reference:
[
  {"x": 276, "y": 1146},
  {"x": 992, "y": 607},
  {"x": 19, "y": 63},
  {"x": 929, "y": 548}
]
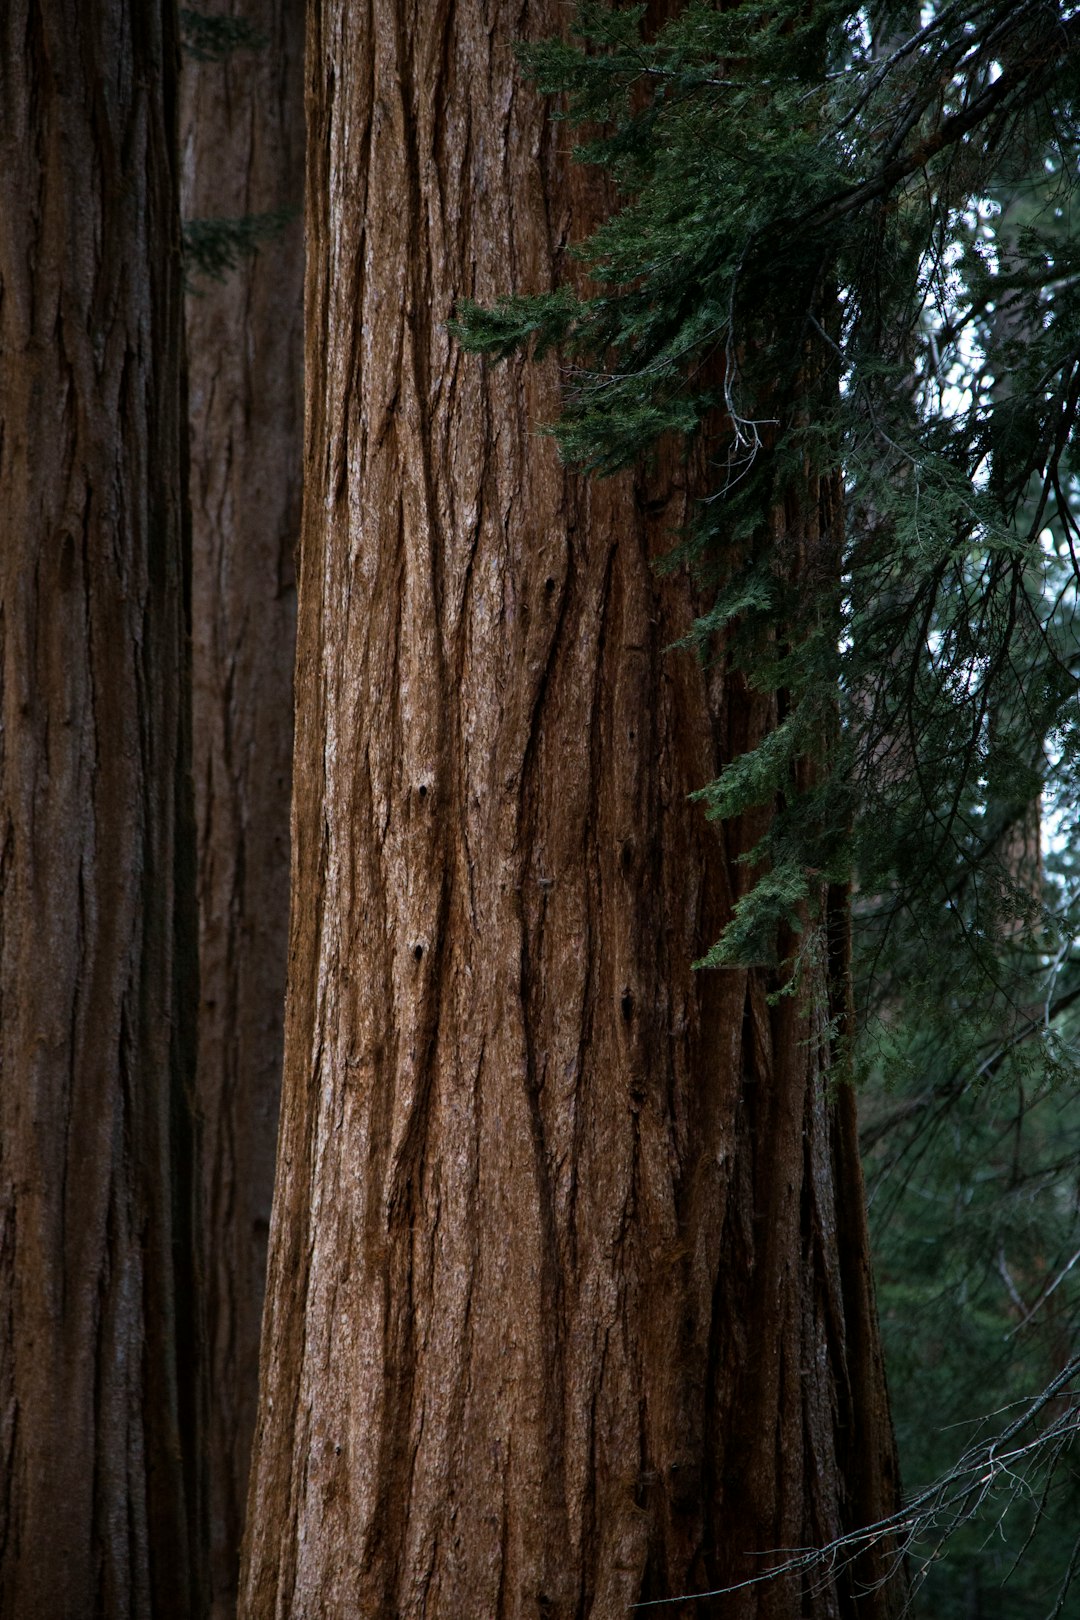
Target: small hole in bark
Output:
[
  {"x": 549, "y": 585},
  {"x": 627, "y": 1004},
  {"x": 626, "y": 855},
  {"x": 422, "y": 790},
  {"x": 337, "y": 1451},
  {"x": 418, "y": 951}
]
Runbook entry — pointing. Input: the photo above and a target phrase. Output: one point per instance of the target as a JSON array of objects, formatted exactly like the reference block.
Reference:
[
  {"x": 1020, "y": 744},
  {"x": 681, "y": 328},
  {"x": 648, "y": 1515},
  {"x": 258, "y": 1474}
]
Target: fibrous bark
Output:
[
  {"x": 99, "y": 1503},
  {"x": 568, "y": 1303},
  {"x": 242, "y": 141}
]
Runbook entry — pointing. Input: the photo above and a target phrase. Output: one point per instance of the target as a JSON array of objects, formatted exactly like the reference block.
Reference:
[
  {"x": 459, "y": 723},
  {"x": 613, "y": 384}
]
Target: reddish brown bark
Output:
[
  {"x": 242, "y": 142},
  {"x": 99, "y": 1503},
  {"x": 569, "y": 1301}
]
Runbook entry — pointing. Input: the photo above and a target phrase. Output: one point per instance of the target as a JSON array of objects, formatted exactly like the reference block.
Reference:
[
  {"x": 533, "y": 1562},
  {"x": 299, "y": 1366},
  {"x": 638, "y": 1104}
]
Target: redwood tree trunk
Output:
[
  {"x": 242, "y": 123},
  {"x": 99, "y": 1504},
  {"x": 569, "y": 1303}
]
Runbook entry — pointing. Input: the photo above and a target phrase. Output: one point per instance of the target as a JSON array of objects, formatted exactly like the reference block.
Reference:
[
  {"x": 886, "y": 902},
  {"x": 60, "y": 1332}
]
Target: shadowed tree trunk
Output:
[
  {"x": 99, "y": 1445},
  {"x": 242, "y": 128},
  {"x": 569, "y": 1302}
]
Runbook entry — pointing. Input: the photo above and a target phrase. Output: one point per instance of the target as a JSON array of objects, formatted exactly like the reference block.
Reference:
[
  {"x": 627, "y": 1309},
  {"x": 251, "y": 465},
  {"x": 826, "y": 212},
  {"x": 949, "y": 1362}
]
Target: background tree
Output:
[
  {"x": 242, "y": 142},
  {"x": 101, "y": 1503},
  {"x": 569, "y": 1302}
]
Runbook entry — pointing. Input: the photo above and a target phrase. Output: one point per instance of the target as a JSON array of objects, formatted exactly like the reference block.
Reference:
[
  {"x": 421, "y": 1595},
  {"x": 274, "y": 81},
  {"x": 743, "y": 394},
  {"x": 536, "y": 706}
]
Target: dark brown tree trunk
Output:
[
  {"x": 99, "y": 1450},
  {"x": 569, "y": 1302},
  {"x": 242, "y": 123}
]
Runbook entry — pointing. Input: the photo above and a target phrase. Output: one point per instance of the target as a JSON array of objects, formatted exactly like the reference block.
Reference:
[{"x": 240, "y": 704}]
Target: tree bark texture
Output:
[
  {"x": 99, "y": 1461},
  {"x": 569, "y": 1302},
  {"x": 242, "y": 129}
]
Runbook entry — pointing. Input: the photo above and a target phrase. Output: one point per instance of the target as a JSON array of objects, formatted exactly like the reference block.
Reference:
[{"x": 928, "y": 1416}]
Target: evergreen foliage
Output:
[
  {"x": 798, "y": 278},
  {"x": 211, "y": 37},
  {"x": 215, "y": 247},
  {"x": 848, "y": 242},
  {"x": 977, "y": 1227}
]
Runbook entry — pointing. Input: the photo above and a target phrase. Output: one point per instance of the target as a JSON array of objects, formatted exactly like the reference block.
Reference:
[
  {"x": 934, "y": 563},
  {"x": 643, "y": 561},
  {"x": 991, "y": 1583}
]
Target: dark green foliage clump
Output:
[
  {"x": 211, "y": 37},
  {"x": 215, "y": 247},
  {"x": 976, "y": 1218}
]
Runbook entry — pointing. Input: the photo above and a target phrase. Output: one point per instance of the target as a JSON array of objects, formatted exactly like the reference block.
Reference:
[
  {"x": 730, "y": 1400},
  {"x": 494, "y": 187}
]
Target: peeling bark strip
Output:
[
  {"x": 242, "y": 138},
  {"x": 569, "y": 1303},
  {"x": 98, "y": 1449}
]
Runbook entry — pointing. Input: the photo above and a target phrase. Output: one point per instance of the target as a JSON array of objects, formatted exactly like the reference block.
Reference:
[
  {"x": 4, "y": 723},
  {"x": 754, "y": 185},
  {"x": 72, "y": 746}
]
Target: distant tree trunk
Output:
[
  {"x": 569, "y": 1302},
  {"x": 242, "y": 124},
  {"x": 99, "y": 1364}
]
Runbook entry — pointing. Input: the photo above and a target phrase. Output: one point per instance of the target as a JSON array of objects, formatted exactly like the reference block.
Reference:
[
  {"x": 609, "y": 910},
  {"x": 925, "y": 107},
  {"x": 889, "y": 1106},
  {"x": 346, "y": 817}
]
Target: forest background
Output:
[{"x": 758, "y": 318}]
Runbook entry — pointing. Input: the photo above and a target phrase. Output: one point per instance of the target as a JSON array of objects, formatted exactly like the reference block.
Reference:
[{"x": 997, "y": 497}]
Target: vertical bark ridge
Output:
[{"x": 548, "y": 1327}]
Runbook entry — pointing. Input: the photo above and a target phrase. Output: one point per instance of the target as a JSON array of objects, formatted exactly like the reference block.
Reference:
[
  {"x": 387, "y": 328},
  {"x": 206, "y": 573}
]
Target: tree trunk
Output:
[
  {"x": 243, "y": 143},
  {"x": 99, "y": 1365},
  {"x": 569, "y": 1302}
]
